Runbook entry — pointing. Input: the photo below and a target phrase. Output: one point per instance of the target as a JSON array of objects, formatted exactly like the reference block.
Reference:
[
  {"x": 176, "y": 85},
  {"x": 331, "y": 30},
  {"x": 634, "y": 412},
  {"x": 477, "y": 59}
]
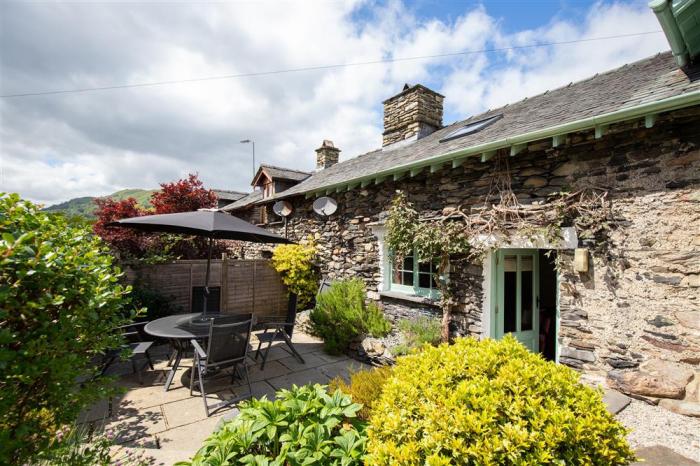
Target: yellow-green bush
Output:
[
  {"x": 491, "y": 403},
  {"x": 365, "y": 388},
  {"x": 294, "y": 262}
]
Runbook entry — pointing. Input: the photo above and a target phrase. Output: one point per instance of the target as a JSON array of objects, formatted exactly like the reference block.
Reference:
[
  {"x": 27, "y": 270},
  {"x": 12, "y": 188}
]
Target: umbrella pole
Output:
[{"x": 206, "y": 279}]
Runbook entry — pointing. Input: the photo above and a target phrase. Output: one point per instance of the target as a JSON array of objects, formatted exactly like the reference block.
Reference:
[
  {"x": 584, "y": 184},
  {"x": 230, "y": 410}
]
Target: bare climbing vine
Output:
[{"x": 469, "y": 232}]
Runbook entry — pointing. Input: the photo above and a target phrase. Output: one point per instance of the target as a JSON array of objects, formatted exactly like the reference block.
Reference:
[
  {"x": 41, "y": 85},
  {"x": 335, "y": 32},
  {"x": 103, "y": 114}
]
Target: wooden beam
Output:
[
  {"x": 398, "y": 176},
  {"x": 416, "y": 171},
  {"x": 435, "y": 168},
  {"x": 649, "y": 120},
  {"x": 351, "y": 186},
  {"x": 365, "y": 183},
  {"x": 308, "y": 195},
  {"x": 515, "y": 149},
  {"x": 457, "y": 162},
  {"x": 558, "y": 140},
  {"x": 486, "y": 156},
  {"x": 379, "y": 179},
  {"x": 329, "y": 191},
  {"x": 600, "y": 131}
]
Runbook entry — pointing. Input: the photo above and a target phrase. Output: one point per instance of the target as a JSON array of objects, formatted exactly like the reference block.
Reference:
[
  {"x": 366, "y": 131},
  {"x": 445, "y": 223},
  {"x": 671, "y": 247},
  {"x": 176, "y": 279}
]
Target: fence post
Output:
[{"x": 224, "y": 283}]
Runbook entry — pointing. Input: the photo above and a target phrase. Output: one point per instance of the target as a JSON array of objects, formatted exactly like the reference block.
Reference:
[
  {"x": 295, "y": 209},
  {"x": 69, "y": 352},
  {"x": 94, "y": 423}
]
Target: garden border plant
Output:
[{"x": 60, "y": 301}]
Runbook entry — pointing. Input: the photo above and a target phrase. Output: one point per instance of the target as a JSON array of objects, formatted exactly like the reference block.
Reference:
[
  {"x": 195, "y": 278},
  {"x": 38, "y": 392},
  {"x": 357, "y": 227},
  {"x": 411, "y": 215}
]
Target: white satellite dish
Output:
[
  {"x": 325, "y": 206},
  {"x": 282, "y": 208}
]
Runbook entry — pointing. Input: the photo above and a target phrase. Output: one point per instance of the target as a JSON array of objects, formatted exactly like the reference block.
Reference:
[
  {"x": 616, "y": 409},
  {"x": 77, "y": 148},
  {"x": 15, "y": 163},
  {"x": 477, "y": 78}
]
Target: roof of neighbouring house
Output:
[
  {"x": 279, "y": 173},
  {"x": 650, "y": 85},
  {"x": 228, "y": 195},
  {"x": 248, "y": 199}
]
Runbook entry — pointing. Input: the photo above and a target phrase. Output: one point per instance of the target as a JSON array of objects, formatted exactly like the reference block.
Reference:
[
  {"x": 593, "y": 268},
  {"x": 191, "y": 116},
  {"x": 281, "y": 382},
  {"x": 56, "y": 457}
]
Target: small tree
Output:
[
  {"x": 431, "y": 240},
  {"x": 128, "y": 242},
  {"x": 185, "y": 195},
  {"x": 60, "y": 301}
]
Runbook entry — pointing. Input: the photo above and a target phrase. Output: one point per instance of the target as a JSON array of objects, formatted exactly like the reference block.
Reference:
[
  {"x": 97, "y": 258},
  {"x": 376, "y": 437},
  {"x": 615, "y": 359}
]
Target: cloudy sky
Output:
[{"x": 56, "y": 147}]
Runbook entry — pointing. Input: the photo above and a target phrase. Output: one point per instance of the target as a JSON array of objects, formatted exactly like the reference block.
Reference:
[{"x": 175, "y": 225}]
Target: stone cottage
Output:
[{"x": 628, "y": 312}]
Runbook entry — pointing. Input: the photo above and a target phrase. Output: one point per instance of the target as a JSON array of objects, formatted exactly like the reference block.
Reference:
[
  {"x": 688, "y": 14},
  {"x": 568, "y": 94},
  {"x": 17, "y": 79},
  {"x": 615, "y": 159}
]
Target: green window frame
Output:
[{"x": 413, "y": 277}]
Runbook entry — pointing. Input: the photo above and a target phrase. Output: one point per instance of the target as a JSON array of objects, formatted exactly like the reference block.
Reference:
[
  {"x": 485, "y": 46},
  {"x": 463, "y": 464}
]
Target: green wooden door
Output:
[{"x": 517, "y": 296}]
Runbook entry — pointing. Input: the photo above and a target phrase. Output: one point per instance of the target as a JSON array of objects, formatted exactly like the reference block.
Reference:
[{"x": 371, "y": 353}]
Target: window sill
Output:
[{"x": 409, "y": 297}]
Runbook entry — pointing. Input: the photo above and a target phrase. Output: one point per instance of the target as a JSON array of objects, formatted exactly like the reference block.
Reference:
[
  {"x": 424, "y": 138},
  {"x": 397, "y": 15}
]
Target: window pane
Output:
[
  {"x": 424, "y": 280},
  {"x": 424, "y": 267},
  {"x": 526, "y": 299},
  {"x": 408, "y": 263},
  {"x": 395, "y": 276},
  {"x": 407, "y": 278},
  {"x": 509, "y": 294}
]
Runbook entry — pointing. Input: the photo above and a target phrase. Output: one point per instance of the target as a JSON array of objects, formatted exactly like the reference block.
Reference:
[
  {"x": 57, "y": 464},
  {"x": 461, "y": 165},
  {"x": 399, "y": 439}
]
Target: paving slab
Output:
[
  {"x": 343, "y": 368},
  {"x": 615, "y": 401},
  {"x": 308, "y": 376},
  {"x": 311, "y": 360},
  {"x": 191, "y": 410},
  {"x": 141, "y": 423},
  {"x": 272, "y": 369},
  {"x": 658, "y": 455}
]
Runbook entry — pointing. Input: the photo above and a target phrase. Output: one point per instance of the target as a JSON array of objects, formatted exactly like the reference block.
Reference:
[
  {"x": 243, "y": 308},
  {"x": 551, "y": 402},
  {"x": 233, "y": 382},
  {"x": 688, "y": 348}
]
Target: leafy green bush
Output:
[
  {"x": 294, "y": 262},
  {"x": 304, "y": 425},
  {"x": 155, "y": 304},
  {"x": 491, "y": 402},
  {"x": 417, "y": 333},
  {"x": 365, "y": 387},
  {"x": 342, "y": 314},
  {"x": 60, "y": 301}
]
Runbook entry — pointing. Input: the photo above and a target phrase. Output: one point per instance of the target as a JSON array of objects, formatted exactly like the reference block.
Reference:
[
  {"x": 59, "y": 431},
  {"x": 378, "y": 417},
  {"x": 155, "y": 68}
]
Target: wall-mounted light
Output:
[{"x": 581, "y": 260}]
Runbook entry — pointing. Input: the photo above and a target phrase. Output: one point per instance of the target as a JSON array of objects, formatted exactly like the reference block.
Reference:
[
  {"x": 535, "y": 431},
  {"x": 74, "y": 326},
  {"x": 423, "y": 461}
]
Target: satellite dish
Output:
[
  {"x": 325, "y": 206},
  {"x": 282, "y": 208}
]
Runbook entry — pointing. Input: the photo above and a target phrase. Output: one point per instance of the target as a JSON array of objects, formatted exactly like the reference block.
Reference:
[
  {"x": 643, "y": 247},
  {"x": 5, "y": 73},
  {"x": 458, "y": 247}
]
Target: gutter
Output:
[
  {"x": 516, "y": 143},
  {"x": 663, "y": 12}
]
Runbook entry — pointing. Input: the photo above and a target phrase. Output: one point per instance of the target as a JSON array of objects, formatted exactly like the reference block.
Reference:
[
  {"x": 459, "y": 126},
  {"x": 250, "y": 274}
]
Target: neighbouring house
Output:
[
  {"x": 226, "y": 197},
  {"x": 631, "y": 315}
]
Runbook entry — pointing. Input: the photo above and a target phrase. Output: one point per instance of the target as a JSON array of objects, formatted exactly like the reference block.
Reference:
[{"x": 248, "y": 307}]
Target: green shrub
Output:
[
  {"x": 417, "y": 333},
  {"x": 365, "y": 388},
  {"x": 342, "y": 314},
  {"x": 304, "y": 425},
  {"x": 155, "y": 304},
  {"x": 294, "y": 262},
  {"x": 491, "y": 402},
  {"x": 60, "y": 301}
]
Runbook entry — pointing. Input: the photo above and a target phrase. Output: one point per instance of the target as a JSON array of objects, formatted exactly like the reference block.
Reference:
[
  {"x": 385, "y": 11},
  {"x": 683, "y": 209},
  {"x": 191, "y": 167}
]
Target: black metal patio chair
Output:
[
  {"x": 227, "y": 347},
  {"x": 137, "y": 345},
  {"x": 275, "y": 329}
]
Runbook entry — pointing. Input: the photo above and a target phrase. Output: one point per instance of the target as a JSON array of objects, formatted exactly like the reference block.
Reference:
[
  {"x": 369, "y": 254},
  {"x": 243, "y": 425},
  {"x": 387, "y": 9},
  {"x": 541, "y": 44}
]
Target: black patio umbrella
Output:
[{"x": 211, "y": 224}]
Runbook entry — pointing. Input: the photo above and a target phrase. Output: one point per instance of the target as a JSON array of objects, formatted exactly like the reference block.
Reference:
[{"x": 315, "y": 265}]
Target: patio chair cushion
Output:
[{"x": 140, "y": 347}]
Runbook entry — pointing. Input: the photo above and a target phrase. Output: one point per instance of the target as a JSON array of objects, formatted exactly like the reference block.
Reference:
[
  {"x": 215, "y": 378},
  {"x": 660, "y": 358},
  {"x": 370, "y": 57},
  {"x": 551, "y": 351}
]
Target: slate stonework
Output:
[{"x": 639, "y": 302}]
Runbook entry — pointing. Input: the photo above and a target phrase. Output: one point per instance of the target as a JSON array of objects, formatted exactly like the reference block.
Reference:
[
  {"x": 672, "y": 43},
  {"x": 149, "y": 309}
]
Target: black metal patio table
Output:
[{"x": 179, "y": 330}]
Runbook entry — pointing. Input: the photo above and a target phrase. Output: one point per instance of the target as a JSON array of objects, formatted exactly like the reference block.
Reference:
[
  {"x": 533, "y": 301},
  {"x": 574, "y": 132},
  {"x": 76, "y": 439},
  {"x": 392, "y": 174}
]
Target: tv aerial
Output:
[{"x": 325, "y": 206}]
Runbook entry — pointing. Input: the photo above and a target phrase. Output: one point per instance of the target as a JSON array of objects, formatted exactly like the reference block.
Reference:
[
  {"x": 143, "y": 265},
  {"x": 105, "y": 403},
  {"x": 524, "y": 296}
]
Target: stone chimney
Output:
[
  {"x": 327, "y": 155},
  {"x": 412, "y": 114}
]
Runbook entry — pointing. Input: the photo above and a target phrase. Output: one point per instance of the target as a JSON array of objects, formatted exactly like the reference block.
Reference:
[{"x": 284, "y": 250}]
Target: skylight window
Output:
[{"x": 470, "y": 128}]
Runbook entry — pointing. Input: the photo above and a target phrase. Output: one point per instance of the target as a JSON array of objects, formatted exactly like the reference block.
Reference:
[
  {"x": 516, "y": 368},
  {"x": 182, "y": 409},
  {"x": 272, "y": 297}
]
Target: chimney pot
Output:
[{"x": 327, "y": 155}]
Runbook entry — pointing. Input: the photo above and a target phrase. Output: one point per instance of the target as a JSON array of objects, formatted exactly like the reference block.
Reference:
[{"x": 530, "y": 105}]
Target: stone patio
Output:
[{"x": 171, "y": 426}]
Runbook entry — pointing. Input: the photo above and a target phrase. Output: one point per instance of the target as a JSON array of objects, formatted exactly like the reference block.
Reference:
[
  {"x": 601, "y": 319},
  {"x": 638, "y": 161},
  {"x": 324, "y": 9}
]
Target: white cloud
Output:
[{"x": 56, "y": 147}]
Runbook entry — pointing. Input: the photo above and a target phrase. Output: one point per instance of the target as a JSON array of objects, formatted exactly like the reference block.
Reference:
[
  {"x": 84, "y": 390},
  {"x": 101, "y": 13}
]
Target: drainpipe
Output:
[{"x": 662, "y": 9}]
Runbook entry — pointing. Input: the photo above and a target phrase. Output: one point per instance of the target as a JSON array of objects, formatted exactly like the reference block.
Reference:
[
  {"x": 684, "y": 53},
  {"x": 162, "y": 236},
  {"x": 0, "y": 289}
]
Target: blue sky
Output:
[{"x": 53, "y": 148}]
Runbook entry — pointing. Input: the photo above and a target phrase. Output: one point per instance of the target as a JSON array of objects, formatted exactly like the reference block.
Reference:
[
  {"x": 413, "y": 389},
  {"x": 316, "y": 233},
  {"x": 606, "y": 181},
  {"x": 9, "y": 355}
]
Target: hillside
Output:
[{"x": 84, "y": 206}]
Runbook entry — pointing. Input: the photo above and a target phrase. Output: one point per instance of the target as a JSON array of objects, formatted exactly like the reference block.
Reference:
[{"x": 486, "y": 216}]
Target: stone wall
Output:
[{"x": 640, "y": 302}]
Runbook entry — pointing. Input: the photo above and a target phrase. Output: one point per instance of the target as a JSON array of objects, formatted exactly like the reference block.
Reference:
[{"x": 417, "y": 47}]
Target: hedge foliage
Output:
[
  {"x": 294, "y": 262},
  {"x": 60, "y": 301},
  {"x": 303, "y": 426},
  {"x": 342, "y": 313},
  {"x": 365, "y": 387},
  {"x": 491, "y": 403}
]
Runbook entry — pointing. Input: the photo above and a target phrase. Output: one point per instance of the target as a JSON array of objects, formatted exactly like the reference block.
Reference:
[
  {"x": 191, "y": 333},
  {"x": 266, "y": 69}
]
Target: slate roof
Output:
[
  {"x": 282, "y": 173},
  {"x": 229, "y": 195},
  {"x": 648, "y": 80},
  {"x": 249, "y": 198}
]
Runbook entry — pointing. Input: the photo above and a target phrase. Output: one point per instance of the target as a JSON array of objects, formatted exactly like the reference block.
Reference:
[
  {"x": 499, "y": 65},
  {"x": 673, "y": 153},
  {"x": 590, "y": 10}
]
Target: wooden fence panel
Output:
[{"x": 246, "y": 285}]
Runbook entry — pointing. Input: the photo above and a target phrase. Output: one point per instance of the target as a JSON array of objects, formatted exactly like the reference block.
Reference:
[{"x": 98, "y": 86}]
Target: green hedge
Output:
[
  {"x": 60, "y": 301},
  {"x": 491, "y": 402}
]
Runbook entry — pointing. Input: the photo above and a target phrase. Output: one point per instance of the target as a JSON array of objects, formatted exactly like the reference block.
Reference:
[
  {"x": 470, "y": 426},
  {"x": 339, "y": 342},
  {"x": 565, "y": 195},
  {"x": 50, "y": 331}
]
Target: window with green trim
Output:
[{"x": 414, "y": 277}]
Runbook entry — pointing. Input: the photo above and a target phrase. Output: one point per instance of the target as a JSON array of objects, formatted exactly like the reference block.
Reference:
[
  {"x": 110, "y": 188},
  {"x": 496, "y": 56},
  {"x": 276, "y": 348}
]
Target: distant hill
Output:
[{"x": 85, "y": 206}]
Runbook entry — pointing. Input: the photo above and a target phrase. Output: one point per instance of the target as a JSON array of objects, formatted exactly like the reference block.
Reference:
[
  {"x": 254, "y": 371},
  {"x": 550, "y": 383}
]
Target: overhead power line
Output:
[{"x": 322, "y": 67}]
